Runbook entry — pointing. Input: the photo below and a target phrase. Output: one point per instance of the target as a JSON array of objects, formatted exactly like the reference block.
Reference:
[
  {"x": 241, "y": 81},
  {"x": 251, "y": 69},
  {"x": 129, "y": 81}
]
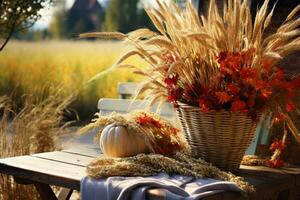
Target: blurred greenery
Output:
[
  {"x": 125, "y": 16},
  {"x": 27, "y": 67},
  {"x": 68, "y": 23},
  {"x": 57, "y": 26}
]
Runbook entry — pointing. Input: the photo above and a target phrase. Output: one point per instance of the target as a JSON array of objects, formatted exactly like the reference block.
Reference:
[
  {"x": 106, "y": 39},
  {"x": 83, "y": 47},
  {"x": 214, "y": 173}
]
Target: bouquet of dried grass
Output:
[{"x": 219, "y": 62}]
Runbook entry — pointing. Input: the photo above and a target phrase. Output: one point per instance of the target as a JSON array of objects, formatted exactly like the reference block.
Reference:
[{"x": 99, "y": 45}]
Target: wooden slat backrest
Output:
[
  {"x": 107, "y": 106},
  {"x": 126, "y": 89}
]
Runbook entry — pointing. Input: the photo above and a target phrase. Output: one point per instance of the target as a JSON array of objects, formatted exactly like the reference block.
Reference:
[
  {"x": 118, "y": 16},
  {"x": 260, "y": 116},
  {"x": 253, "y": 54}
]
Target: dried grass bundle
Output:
[
  {"x": 35, "y": 128},
  {"x": 151, "y": 164}
]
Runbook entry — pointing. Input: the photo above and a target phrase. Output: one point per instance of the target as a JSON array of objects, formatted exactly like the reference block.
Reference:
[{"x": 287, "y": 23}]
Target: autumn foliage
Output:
[{"x": 236, "y": 87}]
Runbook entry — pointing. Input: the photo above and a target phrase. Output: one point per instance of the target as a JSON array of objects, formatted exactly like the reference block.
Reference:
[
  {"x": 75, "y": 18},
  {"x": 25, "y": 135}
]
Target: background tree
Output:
[
  {"x": 84, "y": 16},
  {"x": 125, "y": 16},
  {"x": 57, "y": 27},
  {"x": 112, "y": 16},
  {"x": 16, "y": 15}
]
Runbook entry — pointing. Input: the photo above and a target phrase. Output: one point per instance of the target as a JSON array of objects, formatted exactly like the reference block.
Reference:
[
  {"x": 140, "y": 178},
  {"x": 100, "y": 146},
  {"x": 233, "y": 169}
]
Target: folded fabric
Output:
[{"x": 176, "y": 186}]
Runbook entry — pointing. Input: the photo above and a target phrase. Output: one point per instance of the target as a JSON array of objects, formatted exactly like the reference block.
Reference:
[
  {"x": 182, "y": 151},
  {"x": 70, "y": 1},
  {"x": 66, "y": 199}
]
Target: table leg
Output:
[
  {"x": 45, "y": 191},
  {"x": 65, "y": 194}
]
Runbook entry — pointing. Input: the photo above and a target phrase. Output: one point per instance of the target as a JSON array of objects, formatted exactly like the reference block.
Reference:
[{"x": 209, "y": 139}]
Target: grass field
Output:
[{"x": 27, "y": 68}]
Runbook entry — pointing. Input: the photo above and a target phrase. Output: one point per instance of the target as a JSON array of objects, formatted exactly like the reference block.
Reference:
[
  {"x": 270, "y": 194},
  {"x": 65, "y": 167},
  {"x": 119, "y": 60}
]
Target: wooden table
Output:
[{"x": 66, "y": 168}]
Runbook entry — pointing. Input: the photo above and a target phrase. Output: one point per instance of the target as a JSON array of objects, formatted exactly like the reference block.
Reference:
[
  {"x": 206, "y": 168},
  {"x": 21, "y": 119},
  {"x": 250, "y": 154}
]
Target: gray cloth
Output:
[{"x": 178, "y": 187}]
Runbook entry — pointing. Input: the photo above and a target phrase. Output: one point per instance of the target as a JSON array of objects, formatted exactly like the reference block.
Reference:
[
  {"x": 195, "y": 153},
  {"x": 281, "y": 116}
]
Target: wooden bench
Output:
[
  {"x": 127, "y": 89},
  {"x": 67, "y": 167}
]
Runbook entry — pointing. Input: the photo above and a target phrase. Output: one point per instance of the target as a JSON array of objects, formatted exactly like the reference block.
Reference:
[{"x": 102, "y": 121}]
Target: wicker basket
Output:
[{"x": 220, "y": 138}]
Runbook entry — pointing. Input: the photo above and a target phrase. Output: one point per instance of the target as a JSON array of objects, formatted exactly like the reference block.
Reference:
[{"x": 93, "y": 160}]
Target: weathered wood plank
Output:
[
  {"x": 289, "y": 175},
  {"x": 43, "y": 171},
  {"x": 265, "y": 187},
  {"x": 293, "y": 170},
  {"x": 92, "y": 152},
  {"x": 283, "y": 170},
  {"x": 269, "y": 182},
  {"x": 66, "y": 157}
]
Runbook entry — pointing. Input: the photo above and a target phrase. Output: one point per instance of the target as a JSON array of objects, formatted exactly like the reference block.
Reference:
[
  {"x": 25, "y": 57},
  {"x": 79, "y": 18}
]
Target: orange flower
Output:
[
  {"x": 223, "y": 97},
  {"x": 147, "y": 120}
]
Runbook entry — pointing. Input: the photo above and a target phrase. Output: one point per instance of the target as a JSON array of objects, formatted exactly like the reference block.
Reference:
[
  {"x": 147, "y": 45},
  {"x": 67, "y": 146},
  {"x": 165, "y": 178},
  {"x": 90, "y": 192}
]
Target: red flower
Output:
[
  {"x": 174, "y": 95},
  {"x": 279, "y": 118},
  {"x": 290, "y": 106},
  {"x": 238, "y": 105},
  {"x": 233, "y": 89},
  {"x": 175, "y": 131},
  {"x": 275, "y": 163},
  {"x": 251, "y": 102},
  {"x": 296, "y": 82},
  {"x": 172, "y": 80},
  {"x": 279, "y": 75},
  {"x": 147, "y": 120},
  {"x": 203, "y": 104},
  {"x": 192, "y": 92},
  {"x": 266, "y": 65},
  {"x": 277, "y": 144},
  {"x": 249, "y": 73},
  {"x": 223, "y": 97},
  {"x": 221, "y": 57},
  {"x": 266, "y": 93},
  {"x": 168, "y": 149}
]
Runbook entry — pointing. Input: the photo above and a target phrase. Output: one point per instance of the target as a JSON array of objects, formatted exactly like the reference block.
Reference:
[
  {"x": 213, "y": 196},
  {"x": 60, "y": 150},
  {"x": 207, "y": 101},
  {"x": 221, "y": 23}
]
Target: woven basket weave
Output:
[{"x": 220, "y": 138}]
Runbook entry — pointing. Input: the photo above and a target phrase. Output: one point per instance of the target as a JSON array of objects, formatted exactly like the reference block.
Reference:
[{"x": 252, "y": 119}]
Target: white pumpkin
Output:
[{"x": 116, "y": 141}]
